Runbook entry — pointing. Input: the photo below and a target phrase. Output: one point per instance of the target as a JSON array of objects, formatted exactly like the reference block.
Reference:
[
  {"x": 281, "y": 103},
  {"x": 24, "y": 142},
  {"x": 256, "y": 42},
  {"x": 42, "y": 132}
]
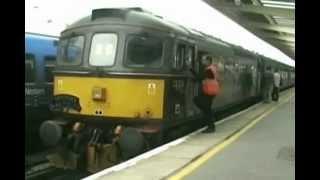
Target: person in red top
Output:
[{"x": 205, "y": 99}]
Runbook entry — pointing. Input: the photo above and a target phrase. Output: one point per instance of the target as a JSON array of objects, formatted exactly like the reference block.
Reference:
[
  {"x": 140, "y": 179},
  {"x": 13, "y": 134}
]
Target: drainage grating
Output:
[{"x": 286, "y": 153}]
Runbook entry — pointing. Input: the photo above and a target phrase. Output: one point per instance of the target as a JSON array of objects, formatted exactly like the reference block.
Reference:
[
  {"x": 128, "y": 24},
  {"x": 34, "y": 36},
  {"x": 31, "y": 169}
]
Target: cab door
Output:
[
  {"x": 183, "y": 86},
  {"x": 191, "y": 89}
]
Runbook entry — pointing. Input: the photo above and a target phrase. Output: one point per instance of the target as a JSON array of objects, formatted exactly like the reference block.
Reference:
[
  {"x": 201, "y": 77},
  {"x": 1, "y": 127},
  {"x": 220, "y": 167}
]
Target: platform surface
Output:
[
  {"x": 260, "y": 153},
  {"x": 264, "y": 152}
]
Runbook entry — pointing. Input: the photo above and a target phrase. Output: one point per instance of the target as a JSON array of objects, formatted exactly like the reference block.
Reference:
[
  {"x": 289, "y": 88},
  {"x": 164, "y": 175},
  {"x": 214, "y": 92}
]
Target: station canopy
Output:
[{"x": 271, "y": 20}]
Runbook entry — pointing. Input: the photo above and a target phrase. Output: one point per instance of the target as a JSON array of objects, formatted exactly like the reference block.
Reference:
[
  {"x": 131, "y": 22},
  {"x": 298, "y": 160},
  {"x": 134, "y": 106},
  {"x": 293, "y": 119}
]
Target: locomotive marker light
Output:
[
  {"x": 60, "y": 83},
  {"x": 151, "y": 89}
]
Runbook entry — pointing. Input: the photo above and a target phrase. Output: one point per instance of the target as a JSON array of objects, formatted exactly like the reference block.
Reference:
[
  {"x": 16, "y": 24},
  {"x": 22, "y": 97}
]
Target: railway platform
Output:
[{"x": 257, "y": 143}]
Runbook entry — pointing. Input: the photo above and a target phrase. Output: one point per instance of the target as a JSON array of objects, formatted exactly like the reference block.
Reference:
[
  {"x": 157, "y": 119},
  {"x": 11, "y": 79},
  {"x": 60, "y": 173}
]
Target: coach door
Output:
[{"x": 260, "y": 72}]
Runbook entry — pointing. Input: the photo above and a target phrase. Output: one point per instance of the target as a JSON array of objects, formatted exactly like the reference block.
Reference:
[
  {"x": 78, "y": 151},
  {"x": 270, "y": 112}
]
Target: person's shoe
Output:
[{"x": 210, "y": 129}]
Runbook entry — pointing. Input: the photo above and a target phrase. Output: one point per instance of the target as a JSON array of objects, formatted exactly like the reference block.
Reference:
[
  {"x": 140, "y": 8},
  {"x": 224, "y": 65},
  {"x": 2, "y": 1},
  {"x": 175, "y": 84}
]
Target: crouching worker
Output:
[{"x": 210, "y": 89}]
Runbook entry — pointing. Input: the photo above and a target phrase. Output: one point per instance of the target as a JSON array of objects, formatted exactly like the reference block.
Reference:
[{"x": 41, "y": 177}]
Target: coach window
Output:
[
  {"x": 103, "y": 49},
  {"x": 282, "y": 75},
  {"x": 220, "y": 64},
  {"x": 144, "y": 51},
  {"x": 180, "y": 57},
  {"x": 71, "y": 50},
  {"x": 50, "y": 63},
  {"x": 30, "y": 70}
]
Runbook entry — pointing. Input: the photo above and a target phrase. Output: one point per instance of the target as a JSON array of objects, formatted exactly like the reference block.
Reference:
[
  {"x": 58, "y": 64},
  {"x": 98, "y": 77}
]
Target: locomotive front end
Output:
[{"x": 107, "y": 105}]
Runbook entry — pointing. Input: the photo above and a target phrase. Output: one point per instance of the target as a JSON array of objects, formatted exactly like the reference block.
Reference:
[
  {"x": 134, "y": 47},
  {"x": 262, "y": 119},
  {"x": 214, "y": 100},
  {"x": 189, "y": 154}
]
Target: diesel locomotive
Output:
[{"x": 122, "y": 85}]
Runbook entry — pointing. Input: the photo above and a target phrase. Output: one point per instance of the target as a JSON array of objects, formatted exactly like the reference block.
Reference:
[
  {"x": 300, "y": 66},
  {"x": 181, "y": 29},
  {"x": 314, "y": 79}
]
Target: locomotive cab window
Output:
[
  {"x": 144, "y": 51},
  {"x": 103, "y": 49},
  {"x": 49, "y": 66},
  {"x": 30, "y": 70},
  {"x": 71, "y": 50}
]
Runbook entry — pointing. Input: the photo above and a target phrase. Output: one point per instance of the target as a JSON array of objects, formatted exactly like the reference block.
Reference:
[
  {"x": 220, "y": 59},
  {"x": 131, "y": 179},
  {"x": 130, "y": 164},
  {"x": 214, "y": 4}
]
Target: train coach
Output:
[{"x": 40, "y": 59}]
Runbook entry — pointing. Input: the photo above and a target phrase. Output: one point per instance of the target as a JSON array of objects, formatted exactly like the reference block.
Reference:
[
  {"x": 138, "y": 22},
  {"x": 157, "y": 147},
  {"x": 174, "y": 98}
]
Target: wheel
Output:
[
  {"x": 131, "y": 143},
  {"x": 50, "y": 133}
]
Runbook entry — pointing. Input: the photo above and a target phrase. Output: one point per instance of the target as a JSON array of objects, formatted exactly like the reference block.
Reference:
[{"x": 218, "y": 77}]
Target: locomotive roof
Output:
[
  {"x": 129, "y": 16},
  {"x": 140, "y": 17}
]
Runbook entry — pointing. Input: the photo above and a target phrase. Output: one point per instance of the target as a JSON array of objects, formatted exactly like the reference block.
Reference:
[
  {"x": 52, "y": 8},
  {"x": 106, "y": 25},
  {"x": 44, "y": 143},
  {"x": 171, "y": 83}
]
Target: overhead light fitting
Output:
[
  {"x": 279, "y": 6},
  {"x": 278, "y": 3}
]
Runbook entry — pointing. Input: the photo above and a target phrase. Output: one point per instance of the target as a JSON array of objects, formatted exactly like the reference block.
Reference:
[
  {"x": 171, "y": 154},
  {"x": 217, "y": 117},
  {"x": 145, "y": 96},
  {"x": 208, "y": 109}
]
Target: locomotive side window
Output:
[
  {"x": 190, "y": 56},
  {"x": 180, "y": 57},
  {"x": 103, "y": 49},
  {"x": 30, "y": 70},
  {"x": 71, "y": 50},
  {"x": 144, "y": 51},
  {"x": 49, "y": 66}
]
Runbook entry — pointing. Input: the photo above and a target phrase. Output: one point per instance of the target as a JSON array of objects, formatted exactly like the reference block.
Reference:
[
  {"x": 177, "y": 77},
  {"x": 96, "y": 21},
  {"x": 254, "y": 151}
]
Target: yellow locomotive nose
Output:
[{"x": 114, "y": 97}]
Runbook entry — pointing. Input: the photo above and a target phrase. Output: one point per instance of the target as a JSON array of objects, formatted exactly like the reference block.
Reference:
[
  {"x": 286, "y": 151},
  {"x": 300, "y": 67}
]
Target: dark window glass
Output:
[
  {"x": 144, "y": 52},
  {"x": 181, "y": 56},
  {"x": 190, "y": 57},
  {"x": 71, "y": 50},
  {"x": 30, "y": 70},
  {"x": 50, "y": 63}
]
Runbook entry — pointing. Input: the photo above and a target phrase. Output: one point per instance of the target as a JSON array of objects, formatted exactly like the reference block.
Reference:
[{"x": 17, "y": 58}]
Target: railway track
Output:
[
  {"x": 45, "y": 171},
  {"x": 38, "y": 171}
]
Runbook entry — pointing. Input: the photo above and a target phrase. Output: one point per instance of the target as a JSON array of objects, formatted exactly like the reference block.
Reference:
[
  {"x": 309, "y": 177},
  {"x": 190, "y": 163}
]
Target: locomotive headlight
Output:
[{"x": 99, "y": 94}]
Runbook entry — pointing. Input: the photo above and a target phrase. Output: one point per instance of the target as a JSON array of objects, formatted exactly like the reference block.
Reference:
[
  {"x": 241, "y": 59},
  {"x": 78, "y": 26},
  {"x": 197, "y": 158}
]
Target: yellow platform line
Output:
[{"x": 198, "y": 162}]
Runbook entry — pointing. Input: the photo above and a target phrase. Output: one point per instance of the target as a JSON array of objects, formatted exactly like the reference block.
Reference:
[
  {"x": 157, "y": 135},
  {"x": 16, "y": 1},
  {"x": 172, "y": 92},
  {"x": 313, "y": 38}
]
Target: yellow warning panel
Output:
[{"x": 121, "y": 97}]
